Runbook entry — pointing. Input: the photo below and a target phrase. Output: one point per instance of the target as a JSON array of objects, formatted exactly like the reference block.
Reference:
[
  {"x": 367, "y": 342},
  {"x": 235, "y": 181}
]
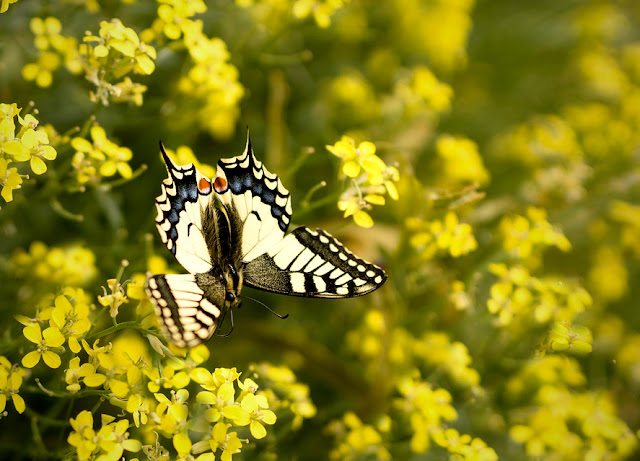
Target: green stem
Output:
[
  {"x": 317, "y": 204},
  {"x": 134, "y": 324},
  {"x": 45, "y": 419},
  {"x": 58, "y": 208},
  {"x": 313, "y": 190},
  {"x": 64, "y": 395}
]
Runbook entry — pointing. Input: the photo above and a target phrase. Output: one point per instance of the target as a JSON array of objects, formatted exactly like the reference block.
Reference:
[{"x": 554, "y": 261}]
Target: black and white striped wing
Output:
[
  {"x": 312, "y": 264},
  {"x": 187, "y": 316},
  {"x": 179, "y": 221},
  {"x": 259, "y": 199}
]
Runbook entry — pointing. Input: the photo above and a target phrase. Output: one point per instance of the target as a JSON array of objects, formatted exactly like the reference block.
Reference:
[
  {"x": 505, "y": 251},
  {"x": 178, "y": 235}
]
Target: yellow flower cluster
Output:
[
  {"x": 421, "y": 93},
  {"x": 53, "y": 49},
  {"x": 100, "y": 158},
  {"x": 68, "y": 322},
  {"x": 558, "y": 371},
  {"x": 526, "y": 236},
  {"x": 174, "y": 19},
  {"x": 109, "y": 442},
  {"x": 352, "y": 98},
  {"x": 285, "y": 393},
  {"x": 448, "y": 236},
  {"x": 321, "y": 10},
  {"x": 519, "y": 296},
  {"x": 438, "y": 29},
  {"x": 277, "y": 11},
  {"x": 55, "y": 266},
  {"x": 358, "y": 440},
  {"x": 212, "y": 84},
  {"x": 461, "y": 162},
  {"x": 369, "y": 179},
  {"x": 206, "y": 427},
  {"x": 554, "y": 418},
  {"x": 573, "y": 425},
  {"x": 428, "y": 411},
  {"x": 627, "y": 216},
  {"x": 432, "y": 351},
  {"x": 438, "y": 352},
  {"x": 110, "y": 56},
  {"x": 29, "y": 144},
  {"x": 551, "y": 155}
]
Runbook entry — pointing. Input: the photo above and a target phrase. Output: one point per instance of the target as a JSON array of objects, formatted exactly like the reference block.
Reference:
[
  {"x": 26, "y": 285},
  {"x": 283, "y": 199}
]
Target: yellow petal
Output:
[
  {"x": 53, "y": 337},
  {"x": 74, "y": 345},
  {"x": 182, "y": 443},
  {"x": 51, "y": 359},
  {"x": 95, "y": 380},
  {"x": 362, "y": 219},
  {"x": 32, "y": 333},
  {"x": 257, "y": 430},
  {"x": 37, "y": 165},
  {"x": 31, "y": 359},
  {"x": 18, "y": 402},
  {"x": 351, "y": 169},
  {"x": 100, "y": 51}
]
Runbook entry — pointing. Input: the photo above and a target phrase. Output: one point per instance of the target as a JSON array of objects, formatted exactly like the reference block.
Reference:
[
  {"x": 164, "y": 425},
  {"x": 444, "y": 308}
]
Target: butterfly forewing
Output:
[
  {"x": 260, "y": 200},
  {"x": 187, "y": 316},
  {"x": 313, "y": 264},
  {"x": 179, "y": 221}
]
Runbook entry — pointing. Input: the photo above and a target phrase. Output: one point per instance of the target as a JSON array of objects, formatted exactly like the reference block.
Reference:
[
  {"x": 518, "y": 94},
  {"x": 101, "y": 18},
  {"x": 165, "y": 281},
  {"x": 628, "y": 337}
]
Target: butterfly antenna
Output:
[{"x": 268, "y": 308}]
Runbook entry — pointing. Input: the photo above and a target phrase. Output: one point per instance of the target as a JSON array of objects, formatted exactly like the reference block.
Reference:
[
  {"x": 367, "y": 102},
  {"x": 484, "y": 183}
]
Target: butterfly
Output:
[{"x": 231, "y": 231}]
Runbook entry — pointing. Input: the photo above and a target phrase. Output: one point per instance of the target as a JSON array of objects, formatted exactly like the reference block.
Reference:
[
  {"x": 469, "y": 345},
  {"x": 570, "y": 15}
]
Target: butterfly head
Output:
[{"x": 232, "y": 278}]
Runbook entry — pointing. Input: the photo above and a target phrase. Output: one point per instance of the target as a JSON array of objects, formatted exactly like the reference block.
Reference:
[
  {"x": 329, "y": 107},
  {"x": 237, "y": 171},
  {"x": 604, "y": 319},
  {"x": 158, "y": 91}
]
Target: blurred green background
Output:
[{"x": 509, "y": 324}]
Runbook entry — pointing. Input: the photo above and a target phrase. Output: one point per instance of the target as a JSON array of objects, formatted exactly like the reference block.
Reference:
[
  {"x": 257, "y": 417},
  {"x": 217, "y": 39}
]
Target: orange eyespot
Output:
[
  {"x": 220, "y": 185},
  {"x": 204, "y": 186}
]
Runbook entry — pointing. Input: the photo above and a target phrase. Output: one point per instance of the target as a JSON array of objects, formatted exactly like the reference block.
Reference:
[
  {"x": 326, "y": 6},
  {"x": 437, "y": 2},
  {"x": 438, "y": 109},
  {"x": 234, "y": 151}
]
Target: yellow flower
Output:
[
  {"x": 10, "y": 382},
  {"x": 72, "y": 320},
  {"x": 51, "y": 338},
  {"x": 575, "y": 338},
  {"x": 228, "y": 442},
  {"x": 10, "y": 180},
  {"x": 85, "y": 373}
]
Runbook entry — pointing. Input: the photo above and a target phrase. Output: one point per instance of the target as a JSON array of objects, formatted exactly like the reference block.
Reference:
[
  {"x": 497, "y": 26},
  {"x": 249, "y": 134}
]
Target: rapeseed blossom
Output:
[
  {"x": 11, "y": 378},
  {"x": 370, "y": 179},
  {"x": 100, "y": 158}
]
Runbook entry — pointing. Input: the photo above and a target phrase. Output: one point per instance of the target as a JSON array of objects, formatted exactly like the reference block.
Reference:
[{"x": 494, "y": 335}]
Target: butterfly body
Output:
[{"x": 230, "y": 232}]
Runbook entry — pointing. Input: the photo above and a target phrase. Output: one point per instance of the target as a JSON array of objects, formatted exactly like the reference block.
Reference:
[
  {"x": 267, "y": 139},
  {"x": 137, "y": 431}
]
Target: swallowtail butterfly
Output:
[{"x": 230, "y": 232}]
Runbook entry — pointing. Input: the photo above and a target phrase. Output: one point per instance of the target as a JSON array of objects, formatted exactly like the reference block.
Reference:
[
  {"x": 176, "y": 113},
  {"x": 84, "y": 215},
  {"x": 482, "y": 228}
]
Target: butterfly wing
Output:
[
  {"x": 185, "y": 193},
  {"x": 259, "y": 199},
  {"x": 312, "y": 264},
  {"x": 188, "y": 306}
]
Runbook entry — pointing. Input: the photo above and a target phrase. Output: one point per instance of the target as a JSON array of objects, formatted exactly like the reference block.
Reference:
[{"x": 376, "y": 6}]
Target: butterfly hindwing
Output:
[
  {"x": 188, "y": 315},
  {"x": 312, "y": 264},
  {"x": 185, "y": 193},
  {"x": 258, "y": 197}
]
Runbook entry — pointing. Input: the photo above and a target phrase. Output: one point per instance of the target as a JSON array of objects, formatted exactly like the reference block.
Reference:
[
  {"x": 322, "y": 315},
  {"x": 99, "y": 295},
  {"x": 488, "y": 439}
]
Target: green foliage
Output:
[{"x": 485, "y": 154}]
